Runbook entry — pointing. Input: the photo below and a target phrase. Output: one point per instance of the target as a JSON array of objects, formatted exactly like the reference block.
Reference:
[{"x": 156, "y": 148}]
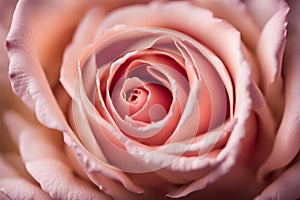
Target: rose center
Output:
[
  {"x": 136, "y": 99},
  {"x": 150, "y": 103}
]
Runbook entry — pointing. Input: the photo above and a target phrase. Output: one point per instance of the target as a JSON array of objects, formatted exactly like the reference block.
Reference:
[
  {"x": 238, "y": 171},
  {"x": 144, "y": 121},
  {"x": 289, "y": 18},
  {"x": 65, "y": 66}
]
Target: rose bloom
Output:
[{"x": 150, "y": 100}]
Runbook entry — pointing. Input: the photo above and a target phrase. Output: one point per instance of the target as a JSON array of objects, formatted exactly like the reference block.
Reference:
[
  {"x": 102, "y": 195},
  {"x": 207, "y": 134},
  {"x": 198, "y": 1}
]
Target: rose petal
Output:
[
  {"x": 48, "y": 38},
  {"x": 82, "y": 38},
  {"x": 262, "y": 11},
  {"x": 45, "y": 162},
  {"x": 286, "y": 186},
  {"x": 286, "y": 144},
  {"x": 15, "y": 182},
  {"x": 81, "y": 127},
  {"x": 106, "y": 177},
  {"x": 221, "y": 165},
  {"x": 159, "y": 14},
  {"x": 202, "y": 144},
  {"x": 27, "y": 77},
  {"x": 96, "y": 167},
  {"x": 236, "y": 13},
  {"x": 212, "y": 97},
  {"x": 270, "y": 50}
]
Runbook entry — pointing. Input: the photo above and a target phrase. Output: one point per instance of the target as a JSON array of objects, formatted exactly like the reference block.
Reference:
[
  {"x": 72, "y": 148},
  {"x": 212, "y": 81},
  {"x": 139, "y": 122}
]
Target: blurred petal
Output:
[
  {"x": 82, "y": 39},
  {"x": 100, "y": 172},
  {"x": 286, "y": 186},
  {"x": 236, "y": 13},
  {"x": 44, "y": 160},
  {"x": 13, "y": 183},
  {"x": 262, "y": 11}
]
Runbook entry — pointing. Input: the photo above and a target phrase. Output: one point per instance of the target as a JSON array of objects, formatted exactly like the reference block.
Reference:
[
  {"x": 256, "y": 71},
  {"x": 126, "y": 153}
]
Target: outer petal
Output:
[
  {"x": 49, "y": 37},
  {"x": 27, "y": 77},
  {"x": 236, "y": 13},
  {"x": 45, "y": 161},
  {"x": 83, "y": 36},
  {"x": 15, "y": 182},
  {"x": 287, "y": 141},
  {"x": 262, "y": 11},
  {"x": 286, "y": 187},
  {"x": 270, "y": 50},
  {"x": 6, "y": 96}
]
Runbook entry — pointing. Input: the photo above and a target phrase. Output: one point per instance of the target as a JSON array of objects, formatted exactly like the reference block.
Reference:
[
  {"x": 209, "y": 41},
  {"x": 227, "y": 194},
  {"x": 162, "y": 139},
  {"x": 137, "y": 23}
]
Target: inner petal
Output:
[
  {"x": 155, "y": 108},
  {"x": 136, "y": 98}
]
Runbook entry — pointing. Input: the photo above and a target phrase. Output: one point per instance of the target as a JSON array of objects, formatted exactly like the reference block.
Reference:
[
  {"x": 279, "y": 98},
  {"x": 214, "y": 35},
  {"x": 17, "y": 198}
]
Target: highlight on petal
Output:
[{"x": 45, "y": 162}]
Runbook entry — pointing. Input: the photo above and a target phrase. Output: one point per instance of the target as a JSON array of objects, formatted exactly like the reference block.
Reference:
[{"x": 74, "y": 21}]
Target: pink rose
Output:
[{"x": 190, "y": 100}]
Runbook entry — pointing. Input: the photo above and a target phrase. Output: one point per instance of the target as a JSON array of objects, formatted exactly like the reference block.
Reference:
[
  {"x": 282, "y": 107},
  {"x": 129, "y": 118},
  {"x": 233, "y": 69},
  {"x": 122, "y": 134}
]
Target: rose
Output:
[
  {"x": 253, "y": 104},
  {"x": 257, "y": 110}
]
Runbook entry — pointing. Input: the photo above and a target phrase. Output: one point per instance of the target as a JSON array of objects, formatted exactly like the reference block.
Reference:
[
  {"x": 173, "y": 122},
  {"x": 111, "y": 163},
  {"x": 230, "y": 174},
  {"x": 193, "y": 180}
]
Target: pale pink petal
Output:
[
  {"x": 41, "y": 150},
  {"x": 161, "y": 15},
  {"x": 82, "y": 40},
  {"x": 106, "y": 177},
  {"x": 286, "y": 186},
  {"x": 27, "y": 76},
  {"x": 270, "y": 50},
  {"x": 286, "y": 144},
  {"x": 236, "y": 13},
  {"x": 262, "y": 11},
  {"x": 212, "y": 97},
  {"x": 14, "y": 182},
  {"x": 202, "y": 144},
  {"x": 49, "y": 39}
]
